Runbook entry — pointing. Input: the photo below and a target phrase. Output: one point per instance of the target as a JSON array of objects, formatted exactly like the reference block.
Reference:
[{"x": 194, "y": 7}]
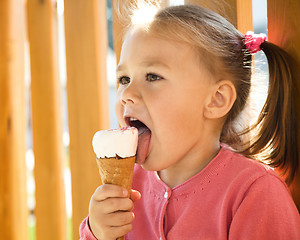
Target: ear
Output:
[{"x": 221, "y": 99}]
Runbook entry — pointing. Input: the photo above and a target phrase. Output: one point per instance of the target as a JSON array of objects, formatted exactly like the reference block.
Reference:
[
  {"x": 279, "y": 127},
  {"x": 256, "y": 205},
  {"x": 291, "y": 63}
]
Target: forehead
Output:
[{"x": 141, "y": 45}]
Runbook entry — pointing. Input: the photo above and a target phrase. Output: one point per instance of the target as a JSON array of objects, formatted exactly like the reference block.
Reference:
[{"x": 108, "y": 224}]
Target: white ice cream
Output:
[{"x": 122, "y": 142}]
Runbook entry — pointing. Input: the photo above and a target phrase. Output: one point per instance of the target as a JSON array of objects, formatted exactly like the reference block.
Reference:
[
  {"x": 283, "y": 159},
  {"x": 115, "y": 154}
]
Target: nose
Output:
[{"x": 129, "y": 94}]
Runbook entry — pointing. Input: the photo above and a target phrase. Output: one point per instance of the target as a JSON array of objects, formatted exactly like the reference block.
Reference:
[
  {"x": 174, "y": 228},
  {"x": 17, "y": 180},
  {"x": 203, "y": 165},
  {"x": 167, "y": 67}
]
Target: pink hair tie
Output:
[{"x": 253, "y": 41}]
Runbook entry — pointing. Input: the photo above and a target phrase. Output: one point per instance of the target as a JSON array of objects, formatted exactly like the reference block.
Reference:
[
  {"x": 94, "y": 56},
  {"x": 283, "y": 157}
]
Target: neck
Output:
[{"x": 188, "y": 167}]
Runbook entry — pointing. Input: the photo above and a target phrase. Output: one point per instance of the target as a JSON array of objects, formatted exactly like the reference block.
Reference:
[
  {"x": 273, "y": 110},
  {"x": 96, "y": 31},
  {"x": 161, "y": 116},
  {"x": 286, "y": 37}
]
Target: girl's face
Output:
[{"x": 163, "y": 85}]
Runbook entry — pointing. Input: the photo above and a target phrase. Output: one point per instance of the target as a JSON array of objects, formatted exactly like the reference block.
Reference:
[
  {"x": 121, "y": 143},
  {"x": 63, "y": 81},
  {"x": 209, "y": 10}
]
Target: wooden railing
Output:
[{"x": 86, "y": 48}]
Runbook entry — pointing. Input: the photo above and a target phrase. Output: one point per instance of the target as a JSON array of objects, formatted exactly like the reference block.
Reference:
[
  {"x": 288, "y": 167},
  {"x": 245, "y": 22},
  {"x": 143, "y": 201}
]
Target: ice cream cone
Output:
[
  {"x": 117, "y": 171},
  {"x": 115, "y": 151}
]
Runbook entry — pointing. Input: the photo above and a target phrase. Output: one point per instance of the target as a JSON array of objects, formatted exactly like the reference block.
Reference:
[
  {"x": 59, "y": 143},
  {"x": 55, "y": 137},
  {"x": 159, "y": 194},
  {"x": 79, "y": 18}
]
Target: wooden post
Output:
[
  {"x": 244, "y": 16},
  {"x": 87, "y": 87},
  {"x": 13, "y": 195},
  {"x": 226, "y": 8},
  {"x": 238, "y": 12},
  {"x": 51, "y": 221},
  {"x": 284, "y": 31}
]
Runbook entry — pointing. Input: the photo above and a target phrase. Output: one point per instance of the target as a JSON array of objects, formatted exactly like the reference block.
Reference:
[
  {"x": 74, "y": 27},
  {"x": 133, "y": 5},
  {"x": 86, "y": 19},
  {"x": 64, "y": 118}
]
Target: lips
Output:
[{"x": 144, "y": 138}]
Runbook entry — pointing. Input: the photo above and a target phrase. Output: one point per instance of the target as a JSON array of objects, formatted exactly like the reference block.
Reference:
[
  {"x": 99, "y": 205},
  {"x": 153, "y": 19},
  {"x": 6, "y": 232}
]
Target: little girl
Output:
[{"x": 184, "y": 77}]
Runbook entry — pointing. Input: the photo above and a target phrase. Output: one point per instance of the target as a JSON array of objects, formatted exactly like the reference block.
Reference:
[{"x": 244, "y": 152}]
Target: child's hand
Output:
[{"x": 110, "y": 213}]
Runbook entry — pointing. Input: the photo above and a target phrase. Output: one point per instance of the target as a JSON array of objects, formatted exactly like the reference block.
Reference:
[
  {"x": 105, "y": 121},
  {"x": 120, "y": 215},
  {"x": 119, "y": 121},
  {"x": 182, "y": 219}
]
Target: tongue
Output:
[{"x": 143, "y": 144}]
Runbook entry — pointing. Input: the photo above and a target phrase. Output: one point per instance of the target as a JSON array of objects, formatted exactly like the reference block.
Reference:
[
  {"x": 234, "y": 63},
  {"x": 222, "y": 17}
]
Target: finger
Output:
[
  {"x": 135, "y": 195},
  {"x": 120, "y": 218},
  {"x": 121, "y": 231},
  {"x": 109, "y": 191},
  {"x": 115, "y": 220},
  {"x": 111, "y": 205}
]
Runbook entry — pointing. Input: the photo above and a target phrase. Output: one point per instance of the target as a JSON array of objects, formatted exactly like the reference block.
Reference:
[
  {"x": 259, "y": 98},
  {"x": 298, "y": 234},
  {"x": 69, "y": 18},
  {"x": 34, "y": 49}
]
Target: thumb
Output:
[{"x": 135, "y": 195}]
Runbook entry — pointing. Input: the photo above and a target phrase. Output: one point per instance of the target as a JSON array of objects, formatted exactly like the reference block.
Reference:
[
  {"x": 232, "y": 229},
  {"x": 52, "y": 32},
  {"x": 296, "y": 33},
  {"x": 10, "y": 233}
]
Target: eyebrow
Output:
[{"x": 150, "y": 63}]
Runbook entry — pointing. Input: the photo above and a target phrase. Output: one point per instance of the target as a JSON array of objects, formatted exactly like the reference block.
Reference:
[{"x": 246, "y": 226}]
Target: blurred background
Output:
[
  {"x": 259, "y": 24},
  {"x": 259, "y": 14}
]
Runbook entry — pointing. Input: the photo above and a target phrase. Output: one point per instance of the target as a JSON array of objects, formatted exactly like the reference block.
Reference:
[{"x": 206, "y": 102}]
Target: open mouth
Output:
[
  {"x": 132, "y": 122},
  {"x": 144, "y": 138}
]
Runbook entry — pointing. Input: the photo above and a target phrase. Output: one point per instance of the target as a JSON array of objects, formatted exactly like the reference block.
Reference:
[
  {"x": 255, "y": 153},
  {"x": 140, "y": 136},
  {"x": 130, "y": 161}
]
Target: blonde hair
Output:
[{"x": 221, "y": 48}]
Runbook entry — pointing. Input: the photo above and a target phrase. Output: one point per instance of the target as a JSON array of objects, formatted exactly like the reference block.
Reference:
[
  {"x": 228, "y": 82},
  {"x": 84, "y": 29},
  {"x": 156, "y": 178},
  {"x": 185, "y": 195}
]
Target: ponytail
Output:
[{"x": 276, "y": 139}]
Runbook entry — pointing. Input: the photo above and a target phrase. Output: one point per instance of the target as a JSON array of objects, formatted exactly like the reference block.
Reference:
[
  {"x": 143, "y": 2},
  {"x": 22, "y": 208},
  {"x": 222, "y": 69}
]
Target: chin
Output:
[
  {"x": 147, "y": 165},
  {"x": 152, "y": 166}
]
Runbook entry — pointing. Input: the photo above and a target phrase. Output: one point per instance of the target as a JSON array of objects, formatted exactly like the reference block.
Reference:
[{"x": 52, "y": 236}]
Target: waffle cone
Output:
[{"x": 117, "y": 171}]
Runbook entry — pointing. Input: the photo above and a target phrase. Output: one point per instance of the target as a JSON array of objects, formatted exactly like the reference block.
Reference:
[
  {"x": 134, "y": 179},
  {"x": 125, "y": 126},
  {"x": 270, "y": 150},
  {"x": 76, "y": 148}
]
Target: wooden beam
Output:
[
  {"x": 226, "y": 8},
  {"x": 238, "y": 12},
  {"x": 51, "y": 221},
  {"x": 13, "y": 195},
  {"x": 244, "y": 15},
  {"x": 87, "y": 87},
  {"x": 284, "y": 31}
]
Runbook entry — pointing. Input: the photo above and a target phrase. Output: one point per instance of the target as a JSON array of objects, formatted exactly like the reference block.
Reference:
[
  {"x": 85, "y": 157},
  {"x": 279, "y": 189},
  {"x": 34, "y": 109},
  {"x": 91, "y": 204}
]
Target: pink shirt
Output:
[{"x": 231, "y": 198}]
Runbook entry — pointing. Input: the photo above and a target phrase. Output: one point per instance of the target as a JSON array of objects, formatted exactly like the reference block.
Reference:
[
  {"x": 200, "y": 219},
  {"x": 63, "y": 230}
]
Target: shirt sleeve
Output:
[
  {"x": 85, "y": 232},
  {"x": 267, "y": 211}
]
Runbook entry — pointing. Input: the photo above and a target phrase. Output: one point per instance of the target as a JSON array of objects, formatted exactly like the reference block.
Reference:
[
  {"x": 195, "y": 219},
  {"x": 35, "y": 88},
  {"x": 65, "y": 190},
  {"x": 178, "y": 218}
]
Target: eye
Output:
[
  {"x": 124, "y": 80},
  {"x": 151, "y": 77}
]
